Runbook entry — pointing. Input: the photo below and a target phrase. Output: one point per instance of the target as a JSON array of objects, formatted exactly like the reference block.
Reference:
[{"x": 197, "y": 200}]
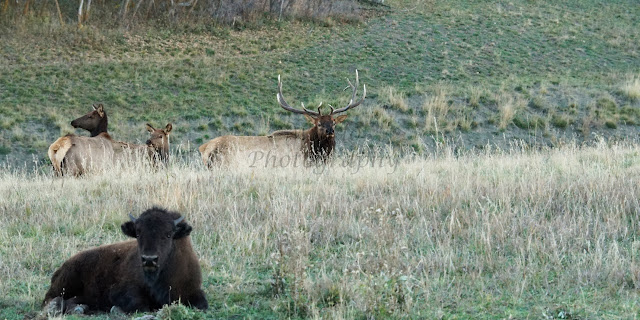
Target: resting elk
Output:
[
  {"x": 316, "y": 143},
  {"x": 75, "y": 155},
  {"x": 158, "y": 267}
]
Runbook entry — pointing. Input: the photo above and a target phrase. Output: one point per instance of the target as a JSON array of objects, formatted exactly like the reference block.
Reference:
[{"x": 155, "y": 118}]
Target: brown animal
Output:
[
  {"x": 95, "y": 122},
  {"x": 316, "y": 143},
  {"x": 155, "y": 149},
  {"x": 157, "y": 268},
  {"x": 76, "y": 155}
]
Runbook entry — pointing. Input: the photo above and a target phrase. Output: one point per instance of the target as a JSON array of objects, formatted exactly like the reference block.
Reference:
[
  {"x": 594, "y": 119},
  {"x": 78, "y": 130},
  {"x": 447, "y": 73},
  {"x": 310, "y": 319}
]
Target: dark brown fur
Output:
[
  {"x": 122, "y": 275},
  {"x": 96, "y": 121},
  {"x": 318, "y": 141}
]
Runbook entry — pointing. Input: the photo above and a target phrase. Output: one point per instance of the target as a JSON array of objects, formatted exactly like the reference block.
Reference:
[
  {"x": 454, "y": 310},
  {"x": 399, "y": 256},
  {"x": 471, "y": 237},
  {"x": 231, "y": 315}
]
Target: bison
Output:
[{"x": 157, "y": 268}]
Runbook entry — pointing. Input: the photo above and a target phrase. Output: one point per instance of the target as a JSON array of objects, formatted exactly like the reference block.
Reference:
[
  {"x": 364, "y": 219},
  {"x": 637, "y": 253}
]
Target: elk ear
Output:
[
  {"x": 339, "y": 119},
  {"x": 100, "y": 110},
  {"x": 150, "y": 128},
  {"x": 168, "y": 128},
  {"x": 129, "y": 229},
  {"x": 310, "y": 119},
  {"x": 183, "y": 229}
]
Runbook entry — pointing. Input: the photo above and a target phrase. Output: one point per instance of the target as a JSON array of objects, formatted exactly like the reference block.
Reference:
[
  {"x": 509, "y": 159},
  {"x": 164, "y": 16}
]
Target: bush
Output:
[
  {"x": 559, "y": 121},
  {"x": 190, "y": 13}
]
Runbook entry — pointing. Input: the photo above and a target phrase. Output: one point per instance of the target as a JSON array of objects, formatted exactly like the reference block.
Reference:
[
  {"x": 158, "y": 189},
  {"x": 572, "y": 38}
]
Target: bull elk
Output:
[
  {"x": 157, "y": 267},
  {"x": 316, "y": 143},
  {"x": 75, "y": 155}
]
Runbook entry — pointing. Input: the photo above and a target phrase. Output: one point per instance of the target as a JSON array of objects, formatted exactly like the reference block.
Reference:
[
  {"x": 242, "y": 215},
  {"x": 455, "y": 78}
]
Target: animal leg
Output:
[
  {"x": 129, "y": 300},
  {"x": 58, "y": 306},
  {"x": 198, "y": 300},
  {"x": 216, "y": 159},
  {"x": 55, "y": 307}
]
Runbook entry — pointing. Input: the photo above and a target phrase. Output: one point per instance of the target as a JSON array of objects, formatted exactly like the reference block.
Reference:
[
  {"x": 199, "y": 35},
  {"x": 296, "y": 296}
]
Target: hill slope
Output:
[{"x": 478, "y": 73}]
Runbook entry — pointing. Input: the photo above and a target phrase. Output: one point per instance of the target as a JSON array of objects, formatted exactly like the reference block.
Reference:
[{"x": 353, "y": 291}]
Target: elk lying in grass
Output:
[
  {"x": 316, "y": 143},
  {"x": 74, "y": 155},
  {"x": 156, "y": 148}
]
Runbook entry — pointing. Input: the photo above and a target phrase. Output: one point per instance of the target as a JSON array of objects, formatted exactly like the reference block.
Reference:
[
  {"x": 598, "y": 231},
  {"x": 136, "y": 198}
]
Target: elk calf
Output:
[{"x": 157, "y": 268}]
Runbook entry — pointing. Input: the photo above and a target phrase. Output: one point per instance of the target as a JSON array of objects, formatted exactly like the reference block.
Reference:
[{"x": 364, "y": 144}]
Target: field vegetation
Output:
[
  {"x": 522, "y": 234},
  {"x": 479, "y": 72},
  {"x": 492, "y": 171}
]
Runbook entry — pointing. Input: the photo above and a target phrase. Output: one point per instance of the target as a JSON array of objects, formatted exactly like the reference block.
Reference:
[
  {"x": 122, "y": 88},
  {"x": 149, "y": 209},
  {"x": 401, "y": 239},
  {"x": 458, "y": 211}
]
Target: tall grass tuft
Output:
[
  {"x": 631, "y": 88},
  {"x": 436, "y": 108},
  {"x": 397, "y": 100},
  {"x": 508, "y": 106}
]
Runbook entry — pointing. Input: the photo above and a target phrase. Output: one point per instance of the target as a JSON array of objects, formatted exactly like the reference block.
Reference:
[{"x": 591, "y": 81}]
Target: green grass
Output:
[
  {"x": 549, "y": 53},
  {"x": 522, "y": 233}
]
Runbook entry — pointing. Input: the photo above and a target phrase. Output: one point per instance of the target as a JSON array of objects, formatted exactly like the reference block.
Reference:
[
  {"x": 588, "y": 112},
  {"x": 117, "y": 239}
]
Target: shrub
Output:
[{"x": 559, "y": 121}]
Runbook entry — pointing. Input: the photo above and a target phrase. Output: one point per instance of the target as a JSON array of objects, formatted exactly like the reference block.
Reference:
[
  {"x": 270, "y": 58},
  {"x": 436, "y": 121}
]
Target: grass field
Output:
[
  {"x": 479, "y": 72},
  {"x": 523, "y": 234},
  {"x": 506, "y": 187}
]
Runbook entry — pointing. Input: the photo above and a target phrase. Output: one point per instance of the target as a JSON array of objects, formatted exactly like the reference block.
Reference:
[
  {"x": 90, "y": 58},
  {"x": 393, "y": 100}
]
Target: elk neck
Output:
[
  {"x": 319, "y": 147},
  {"x": 158, "y": 153},
  {"x": 102, "y": 127}
]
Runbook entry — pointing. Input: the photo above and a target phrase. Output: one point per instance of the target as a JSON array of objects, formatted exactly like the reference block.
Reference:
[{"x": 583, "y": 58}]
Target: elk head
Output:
[
  {"x": 159, "y": 142},
  {"x": 95, "y": 121},
  {"x": 324, "y": 125}
]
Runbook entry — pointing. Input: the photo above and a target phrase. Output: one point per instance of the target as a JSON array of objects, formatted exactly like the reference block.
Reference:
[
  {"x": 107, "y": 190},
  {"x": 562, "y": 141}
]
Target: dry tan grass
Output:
[
  {"x": 631, "y": 88},
  {"x": 376, "y": 240},
  {"x": 475, "y": 93},
  {"x": 397, "y": 100},
  {"x": 436, "y": 107},
  {"x": 509, "y": 105}
]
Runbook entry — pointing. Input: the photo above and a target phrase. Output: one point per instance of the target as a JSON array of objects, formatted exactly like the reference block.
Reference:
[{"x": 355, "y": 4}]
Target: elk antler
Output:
[
  {"x": 287, "y": 107},
  {"x": 352, "y": 102}
]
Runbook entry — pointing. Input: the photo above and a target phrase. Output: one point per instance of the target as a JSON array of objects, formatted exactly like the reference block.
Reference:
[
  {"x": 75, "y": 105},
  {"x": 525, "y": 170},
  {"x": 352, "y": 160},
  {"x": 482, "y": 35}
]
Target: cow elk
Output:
[
  {"x": 157, "y": 268},
  {"x": 95, "y": 122},
  {"x": 316, "y": 143},
  {"x": 155, "y": 149},
  {"x": 75, "y": 155}
]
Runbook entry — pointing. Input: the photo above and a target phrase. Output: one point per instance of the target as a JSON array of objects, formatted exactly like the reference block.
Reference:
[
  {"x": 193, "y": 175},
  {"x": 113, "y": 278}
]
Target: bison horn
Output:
[
  {"x": 176, "y": 221},
  {"x": 132, "y": 217}
]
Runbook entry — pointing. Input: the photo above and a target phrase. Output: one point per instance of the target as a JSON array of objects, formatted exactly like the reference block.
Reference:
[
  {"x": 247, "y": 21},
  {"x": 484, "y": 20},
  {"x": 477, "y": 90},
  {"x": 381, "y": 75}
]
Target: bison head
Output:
[{"x": 155, "y": 230}]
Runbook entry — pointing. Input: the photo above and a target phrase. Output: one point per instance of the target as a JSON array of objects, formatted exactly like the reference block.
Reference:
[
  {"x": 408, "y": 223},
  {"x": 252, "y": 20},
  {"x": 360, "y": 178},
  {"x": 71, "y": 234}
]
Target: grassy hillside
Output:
[
  {"x": 546, "y": 229},
  {"x": 547, "y": 234},
  {"x": 480, "y": 73}
]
